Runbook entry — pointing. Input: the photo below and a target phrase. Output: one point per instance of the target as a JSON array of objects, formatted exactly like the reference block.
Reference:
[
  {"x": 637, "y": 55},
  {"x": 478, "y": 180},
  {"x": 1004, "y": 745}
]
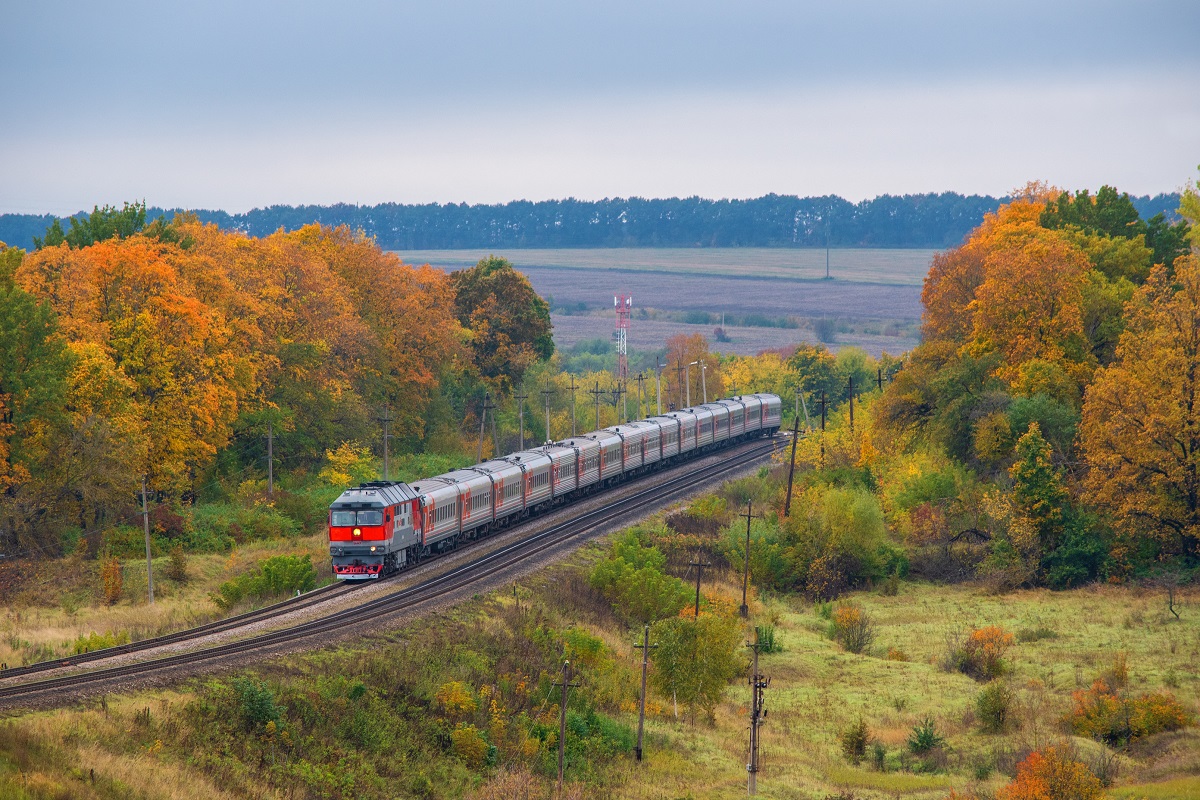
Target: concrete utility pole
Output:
[
  {"x": 562, "y": 720},
  {"x": 757, "y": 714},
  {"x": 749, "y": 515},
  {"x": 487, "y": 406},
  {"x": 521, "y": 417},
  {"x": 546, "y": 395},
  {"x": 688, "y": 377},
  {"x": 146, "y": 529},
  {"x": 641, "y": 379},
  {"x": 617, "y": 394},
  {"x": 573, "y": 388},
  {"x": 645, "y": 647},
  {"x": 386, "y": 419},
  {"x": 595, "y": 393},
  {"x": 270, "y": 458},
  {"x": 658, "y": 368},
  {"x": 679, "y": 370},
  {"x": 699, "y": 565},
  {"x": 703, "y": 382}
]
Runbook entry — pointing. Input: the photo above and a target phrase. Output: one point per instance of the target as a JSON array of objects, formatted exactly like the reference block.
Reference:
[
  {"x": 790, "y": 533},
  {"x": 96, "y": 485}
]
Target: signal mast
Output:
[{"x": 623, "y": 303}]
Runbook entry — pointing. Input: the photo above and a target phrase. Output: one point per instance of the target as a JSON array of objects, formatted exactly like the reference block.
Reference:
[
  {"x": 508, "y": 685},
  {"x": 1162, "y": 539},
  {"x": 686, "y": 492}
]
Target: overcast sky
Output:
[{"x": 240, "y": 104}]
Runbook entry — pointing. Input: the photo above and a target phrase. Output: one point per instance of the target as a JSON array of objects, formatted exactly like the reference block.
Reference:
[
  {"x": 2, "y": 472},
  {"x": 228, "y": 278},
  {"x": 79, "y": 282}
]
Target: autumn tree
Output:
[
  {"x": 684, "y": 349},
  {"x": 509, "y": 323},
  {"x": 695, "y": 659},
  {"x": 1141, "y": 417}
]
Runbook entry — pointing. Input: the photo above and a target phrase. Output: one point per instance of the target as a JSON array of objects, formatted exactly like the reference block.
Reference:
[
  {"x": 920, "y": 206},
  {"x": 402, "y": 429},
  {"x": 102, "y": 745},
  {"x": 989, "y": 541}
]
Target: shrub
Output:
[
  {"x": 111, "y": 581},
  {"x": 256, "y": 703},
  {"x": 896, "y": 654},
  {"x": 993, "y": 706},
  {"x": 767, "y": 643},
  {"x": 469, "y": 745},
  {"x": 824, "y": 329},
  {"x": 852, "y": 628},
  {"x": 854, "y": 741},
  {"x": 1101, "y": 714},
  {"x": 276, "y": 576},
  {"x": 633, "y": 579},
  {"x": 980, "y": 654},
  {"x": 177, "y": 566},
  {"x": 1052, "y": 773},
  {"x": 924, "y": 737},
  {"x": 456, "y": 699},
  {"x": 215, "y": 527},
  {"x": 99, "y": 641}
]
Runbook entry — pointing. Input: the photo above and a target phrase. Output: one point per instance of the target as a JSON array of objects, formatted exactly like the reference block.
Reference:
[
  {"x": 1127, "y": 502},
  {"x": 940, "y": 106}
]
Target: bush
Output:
[
  {"x": 112, "y": 582},
  {"x": 854, "y": 741},
  {"x": 469, "y": 744},
  {"x": 980, "y": 654},
  {"x": 216, "y": 527},
  {"x": 256, "y": 703},
  {"x": 633, "y": 579},
  {"x": 924, "y": 737},
  {"x": 824, "y": 329},
  {"x": 276, "y": 576},
  {"x": 767, "y": 643},
  {"x": 1114, "y": 719},
  {"x": 177, "y": 566},
  {"x": 1052, "y": 774},
  {"x": 99, "y": 641},
  {"x": 852, "y": 628},
  {"x": 993, "y": 706}
]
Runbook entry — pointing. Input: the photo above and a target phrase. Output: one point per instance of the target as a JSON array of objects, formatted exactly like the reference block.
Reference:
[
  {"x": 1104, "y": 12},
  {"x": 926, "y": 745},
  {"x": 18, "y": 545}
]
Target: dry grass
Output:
[{"x": 35, "y": 632}]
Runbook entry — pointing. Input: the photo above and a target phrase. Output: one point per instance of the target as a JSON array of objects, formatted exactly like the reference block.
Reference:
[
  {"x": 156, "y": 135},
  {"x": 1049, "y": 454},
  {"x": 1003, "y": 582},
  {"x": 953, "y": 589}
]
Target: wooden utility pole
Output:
[
  {"x": 757, "y": 714},
  {"x": 641, "y": 379},
  {"x": 879, "y": 378},
  {"x": 546, "y": 395},
  {"x": 787, "y": 504},
  {"x": 699, "y": 565},
  {"x": 645, "y": 647},
  {"x": 850, "y": 391},
  {"x": 562, "y": 720},
  {"x": 487, "y": 406},
  {"x": 270, "y": 458},
  {"x": 386, "y": 420},
  {"x": 749, "y": 515},
  {"x": 822, "y": 429},
  {"x": 521, "y": 417},
  {"x": 146, "y": 529},
  {"x": 617, "y": 394},
  {"x": 595, "y": 393},
  {"x": 573, "y": 388}
]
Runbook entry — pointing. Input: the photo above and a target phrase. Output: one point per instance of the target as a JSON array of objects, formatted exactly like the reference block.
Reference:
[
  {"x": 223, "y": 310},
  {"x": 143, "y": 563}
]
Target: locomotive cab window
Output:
[{"x": 342, "y": 519}]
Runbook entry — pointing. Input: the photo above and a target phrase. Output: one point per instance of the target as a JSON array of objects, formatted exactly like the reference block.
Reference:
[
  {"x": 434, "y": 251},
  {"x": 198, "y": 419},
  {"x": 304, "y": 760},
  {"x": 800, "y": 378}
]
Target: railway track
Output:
[{"x": 474, "y": 571}]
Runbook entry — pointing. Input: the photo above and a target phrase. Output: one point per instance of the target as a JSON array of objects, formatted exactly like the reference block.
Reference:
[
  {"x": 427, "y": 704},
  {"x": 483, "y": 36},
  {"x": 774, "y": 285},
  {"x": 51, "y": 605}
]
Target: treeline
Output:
[
  {"x": 170, "y": 349},
  {"x": 922, "y": 220}
]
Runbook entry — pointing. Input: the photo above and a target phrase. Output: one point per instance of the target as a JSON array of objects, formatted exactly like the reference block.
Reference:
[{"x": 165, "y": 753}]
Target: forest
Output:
[{"x": 921, "y": 220}]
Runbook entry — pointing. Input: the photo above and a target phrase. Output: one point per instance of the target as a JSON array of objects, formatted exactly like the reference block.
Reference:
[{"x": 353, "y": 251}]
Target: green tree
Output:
[
  {"x": 633, "y": 579},
  {"x": 509, "y": 322},
  {"x": 1038, "y": 491},
  {"x": 695, "y": 659},
  {"x": 101, "y": 224}
]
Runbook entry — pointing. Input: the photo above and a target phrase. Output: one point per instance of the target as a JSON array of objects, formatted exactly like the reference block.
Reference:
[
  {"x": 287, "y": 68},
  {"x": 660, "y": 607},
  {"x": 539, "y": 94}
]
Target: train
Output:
[{"x": 380, "y": 527}]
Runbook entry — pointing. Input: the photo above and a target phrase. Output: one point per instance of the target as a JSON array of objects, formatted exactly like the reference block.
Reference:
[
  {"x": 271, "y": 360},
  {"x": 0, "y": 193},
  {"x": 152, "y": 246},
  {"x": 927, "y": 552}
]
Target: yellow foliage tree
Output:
[{"x": 1140, "y": 429}]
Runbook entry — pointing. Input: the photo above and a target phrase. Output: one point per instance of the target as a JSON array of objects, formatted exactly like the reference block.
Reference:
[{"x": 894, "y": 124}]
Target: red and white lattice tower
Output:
[{"x": 624, "y": 306}]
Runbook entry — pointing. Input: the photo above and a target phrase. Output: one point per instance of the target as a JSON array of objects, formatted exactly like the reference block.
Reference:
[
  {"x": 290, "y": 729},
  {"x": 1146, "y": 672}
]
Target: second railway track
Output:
[{"x": 457, "y": 578}]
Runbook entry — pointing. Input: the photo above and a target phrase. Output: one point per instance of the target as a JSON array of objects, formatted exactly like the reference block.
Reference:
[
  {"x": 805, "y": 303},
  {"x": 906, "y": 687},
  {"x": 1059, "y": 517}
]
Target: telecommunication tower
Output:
[{"x": 623, "y": 303}]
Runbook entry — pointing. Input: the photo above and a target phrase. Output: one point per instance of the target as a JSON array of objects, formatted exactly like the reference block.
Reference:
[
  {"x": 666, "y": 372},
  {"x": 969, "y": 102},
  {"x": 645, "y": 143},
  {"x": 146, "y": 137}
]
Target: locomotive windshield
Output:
[{"x": 345, "y": 519}]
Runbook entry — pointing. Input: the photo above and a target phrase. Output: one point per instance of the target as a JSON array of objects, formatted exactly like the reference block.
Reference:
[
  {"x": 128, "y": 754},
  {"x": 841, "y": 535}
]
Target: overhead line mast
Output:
[{"x": 623, "y": 303}]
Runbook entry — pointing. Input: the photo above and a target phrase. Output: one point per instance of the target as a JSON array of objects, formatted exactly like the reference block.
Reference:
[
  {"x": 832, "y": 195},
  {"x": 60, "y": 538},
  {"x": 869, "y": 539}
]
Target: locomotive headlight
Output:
[
  {"x": 358, "y": 531},
  {"x": 372, "y": 548}
]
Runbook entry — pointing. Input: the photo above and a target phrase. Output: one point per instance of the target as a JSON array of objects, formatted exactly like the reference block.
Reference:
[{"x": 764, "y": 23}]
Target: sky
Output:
[{"x": 236, "y": 105}]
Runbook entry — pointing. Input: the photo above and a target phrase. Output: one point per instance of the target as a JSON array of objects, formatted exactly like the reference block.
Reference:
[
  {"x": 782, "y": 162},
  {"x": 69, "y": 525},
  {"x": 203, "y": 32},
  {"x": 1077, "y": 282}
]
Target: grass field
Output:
[{"x": 858, "y": 265}]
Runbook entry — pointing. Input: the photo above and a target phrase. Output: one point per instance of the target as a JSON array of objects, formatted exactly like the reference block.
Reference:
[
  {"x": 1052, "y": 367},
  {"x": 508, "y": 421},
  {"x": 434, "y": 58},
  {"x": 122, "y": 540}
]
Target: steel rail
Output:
[{"x": 482, "y": 567}]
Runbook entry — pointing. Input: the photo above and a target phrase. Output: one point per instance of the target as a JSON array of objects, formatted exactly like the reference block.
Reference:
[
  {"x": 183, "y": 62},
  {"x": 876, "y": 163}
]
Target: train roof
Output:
[{"x": 375, "y": 494}]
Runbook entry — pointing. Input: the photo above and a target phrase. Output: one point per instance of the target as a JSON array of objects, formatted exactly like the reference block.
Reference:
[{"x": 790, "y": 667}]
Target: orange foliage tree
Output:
[
  {"x": 1052, "y": 773},
  {"x": 684, "y": 349}
]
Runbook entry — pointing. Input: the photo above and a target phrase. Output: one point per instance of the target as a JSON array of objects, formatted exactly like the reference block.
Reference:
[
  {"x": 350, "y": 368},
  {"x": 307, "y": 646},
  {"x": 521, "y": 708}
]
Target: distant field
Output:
[{"x": 895, "y": 267}]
